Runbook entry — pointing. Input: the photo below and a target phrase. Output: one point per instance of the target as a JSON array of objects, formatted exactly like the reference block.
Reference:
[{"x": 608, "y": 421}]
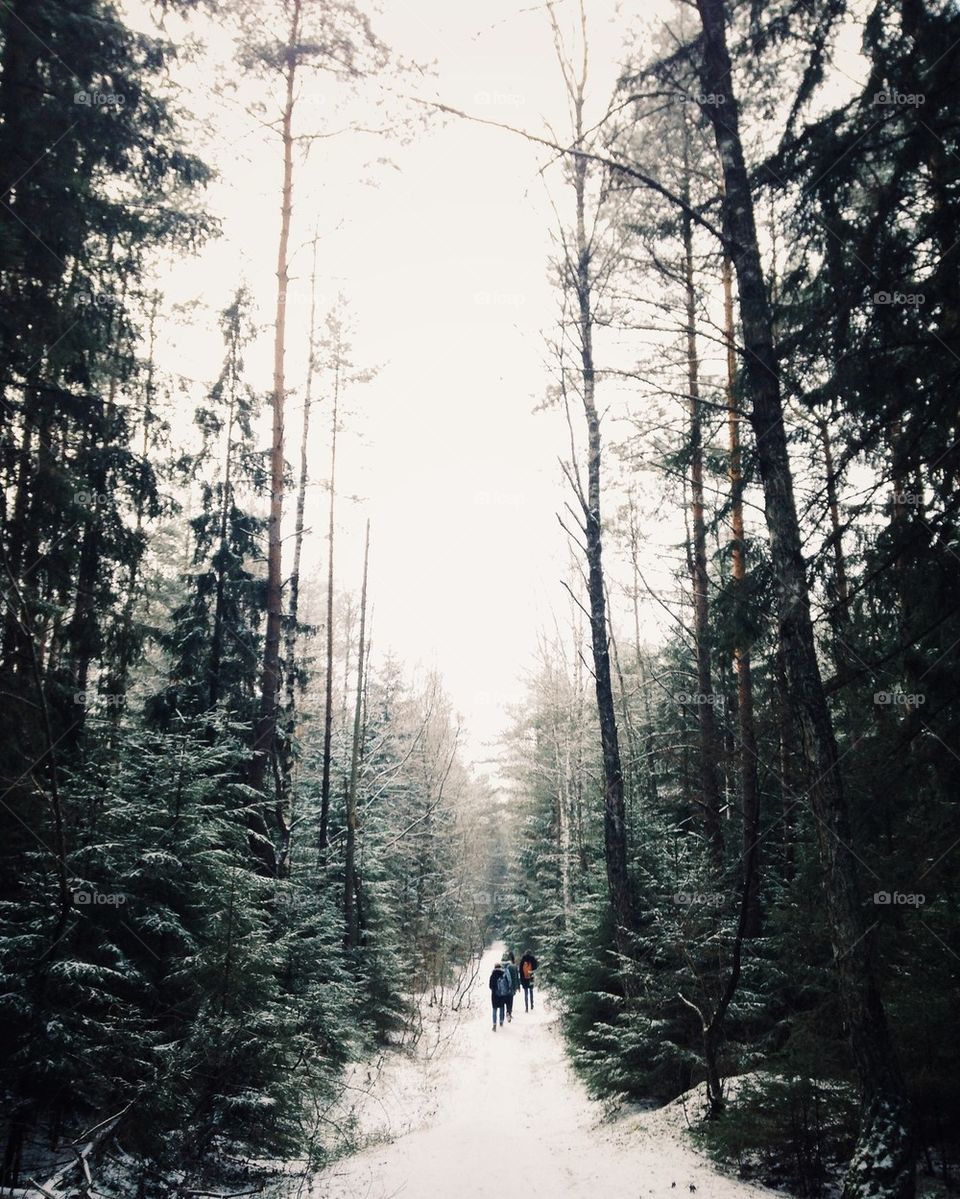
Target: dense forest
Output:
[{"x": 243, "y": 851}]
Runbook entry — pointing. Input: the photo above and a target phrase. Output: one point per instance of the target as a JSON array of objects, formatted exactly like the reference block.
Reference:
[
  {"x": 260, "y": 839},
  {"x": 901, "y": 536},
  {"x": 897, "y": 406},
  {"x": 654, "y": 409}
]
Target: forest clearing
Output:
[{"x": 480, "y": 624}]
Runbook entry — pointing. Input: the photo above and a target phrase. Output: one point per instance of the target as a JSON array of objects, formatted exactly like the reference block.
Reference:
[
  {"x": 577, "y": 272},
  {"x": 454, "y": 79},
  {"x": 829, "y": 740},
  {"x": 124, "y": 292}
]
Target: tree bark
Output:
[
  {"x": 226, "y": 499},
  {"x": 708, "y": 801},
  {"x": 328, "y": 685},
  {"x": 351, "y": 931},
  {"x": 747, "y": 747},
  {"x": 578, "y": 265},
  {"x": 287, "y": 758},
  {"x": 884, "y": 1160},
  {"x": 265, "y": 736}
]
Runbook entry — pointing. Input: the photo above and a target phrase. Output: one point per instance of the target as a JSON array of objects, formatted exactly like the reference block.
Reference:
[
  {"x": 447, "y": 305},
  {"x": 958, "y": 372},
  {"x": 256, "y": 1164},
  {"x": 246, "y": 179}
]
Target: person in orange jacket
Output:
[{"x": 528, "y": 964}]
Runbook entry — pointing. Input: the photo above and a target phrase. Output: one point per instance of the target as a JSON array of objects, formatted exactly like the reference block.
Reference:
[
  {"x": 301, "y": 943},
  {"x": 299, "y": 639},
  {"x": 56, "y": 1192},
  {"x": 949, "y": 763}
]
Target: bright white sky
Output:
[{"x": 445, "y": 265}]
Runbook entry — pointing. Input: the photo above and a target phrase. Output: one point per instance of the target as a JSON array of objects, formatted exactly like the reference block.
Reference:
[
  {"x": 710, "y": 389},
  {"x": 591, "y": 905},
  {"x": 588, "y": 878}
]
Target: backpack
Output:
[{"x": 504, "y": 986}]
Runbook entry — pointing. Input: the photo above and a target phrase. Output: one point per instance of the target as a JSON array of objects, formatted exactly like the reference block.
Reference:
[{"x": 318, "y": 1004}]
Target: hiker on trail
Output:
[
  {"x": 500, "y": 988},
  {"x": 528, "y": 964},
  {"x": 514, "y": 975}
]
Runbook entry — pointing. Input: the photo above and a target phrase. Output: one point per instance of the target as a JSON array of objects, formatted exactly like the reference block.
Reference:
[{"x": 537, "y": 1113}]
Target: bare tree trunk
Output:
[
  {"x": 614, "y": 811},
  {"x": 747, "y": 748},
  {"x": 883, "y": 1164},
  {"x": 328, "y": 686},
  {"x": 287, "y": 763},
  {"x": 630, "y": 778},
  {"x": 125, "y": 656},
  {"x": 579, "y": 271},
  {"x": 709, "y": 798},
  {"x": 265, "y": 737},
  {"x": 836, "y": 532},
  {"x": 351, "y": 931},
  {"x": 216, "y": 637},
  {"x": 650, "y": 748},
  {"x": 788, "y": 773},
  {"x": 562, "y": 770}
]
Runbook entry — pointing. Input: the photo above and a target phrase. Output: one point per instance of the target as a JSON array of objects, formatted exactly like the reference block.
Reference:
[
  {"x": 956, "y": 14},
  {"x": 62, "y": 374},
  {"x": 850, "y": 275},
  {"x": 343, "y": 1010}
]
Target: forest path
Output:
[{"x": 507, "y": 1115}]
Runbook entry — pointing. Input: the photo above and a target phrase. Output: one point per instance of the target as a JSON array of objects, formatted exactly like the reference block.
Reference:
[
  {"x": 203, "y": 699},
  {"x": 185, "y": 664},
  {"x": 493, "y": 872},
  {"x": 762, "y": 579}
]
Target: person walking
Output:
[
  {"x": 528, "y": 964},
  {"x": 513, "y": 973},
  {"x": 499, "y": 990}
]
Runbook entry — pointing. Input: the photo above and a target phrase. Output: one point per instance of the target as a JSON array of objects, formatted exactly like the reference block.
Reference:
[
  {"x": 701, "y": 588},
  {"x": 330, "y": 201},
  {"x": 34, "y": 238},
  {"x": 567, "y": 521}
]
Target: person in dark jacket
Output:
[
  {"x": 514, "y": 975},
  {"x": 528, "y": 964},
  {"x": 499, "y": 985}
]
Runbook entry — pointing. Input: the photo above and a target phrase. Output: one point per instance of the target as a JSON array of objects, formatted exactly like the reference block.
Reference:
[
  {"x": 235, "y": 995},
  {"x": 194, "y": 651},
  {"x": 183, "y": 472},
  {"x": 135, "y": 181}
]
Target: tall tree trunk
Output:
[
  {"x": 579, "y": 270},
  {"x": 883, "y": 1163},
  {"x": 351, "y": 931},
  {"x": 226, "y": 499},
  {"x": 836, "y": 531},
  {"x": 118, "y": 684},
  {"x": 787, "y": 762},
  {"x": 650, "y": 746},
  {"x": 288, "y": 753},
  {"x": 328, "y": 686},
  {"x": 614, "y": 809},
  {"x": 708, "y": 800},
  {"x": 265, "y": 736},
  {"x": 747, "y": 748}
]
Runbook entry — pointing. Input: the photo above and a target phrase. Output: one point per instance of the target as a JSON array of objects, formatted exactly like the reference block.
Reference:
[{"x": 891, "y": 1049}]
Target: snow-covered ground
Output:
[{"x": 502, "y": 1113}]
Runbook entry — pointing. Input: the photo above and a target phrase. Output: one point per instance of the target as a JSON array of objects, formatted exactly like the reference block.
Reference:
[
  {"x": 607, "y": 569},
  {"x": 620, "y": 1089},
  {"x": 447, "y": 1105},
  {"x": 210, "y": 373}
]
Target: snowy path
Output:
[{"x": 505, "y": 1114}]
